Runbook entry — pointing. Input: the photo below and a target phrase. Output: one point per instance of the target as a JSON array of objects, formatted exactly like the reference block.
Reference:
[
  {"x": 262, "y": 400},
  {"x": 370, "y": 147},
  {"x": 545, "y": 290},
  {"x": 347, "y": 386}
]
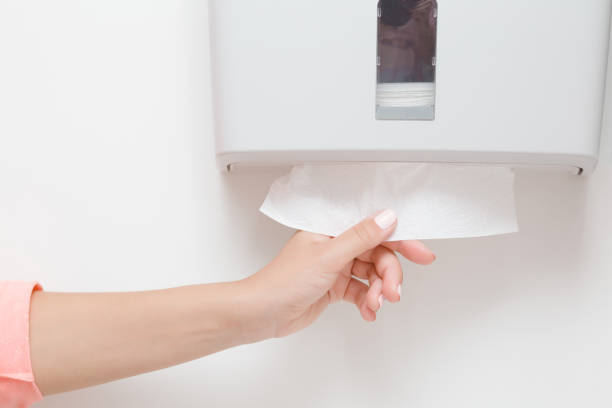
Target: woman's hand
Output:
[{"x": 313, "y": 271}]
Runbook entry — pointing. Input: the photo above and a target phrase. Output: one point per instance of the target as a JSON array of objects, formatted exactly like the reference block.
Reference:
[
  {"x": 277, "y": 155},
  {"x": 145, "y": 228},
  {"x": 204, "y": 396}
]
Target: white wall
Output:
[{"x": 108, "y": 183}]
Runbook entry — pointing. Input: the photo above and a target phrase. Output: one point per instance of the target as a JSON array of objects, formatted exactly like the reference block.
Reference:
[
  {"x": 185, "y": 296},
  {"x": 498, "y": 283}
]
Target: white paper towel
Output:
[{"x": 433, "y": 201}]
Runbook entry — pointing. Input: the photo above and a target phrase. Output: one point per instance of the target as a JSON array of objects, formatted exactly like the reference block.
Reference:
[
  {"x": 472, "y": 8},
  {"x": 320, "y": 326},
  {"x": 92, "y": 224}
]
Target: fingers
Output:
[
  {"x": 387, "y": 266},
  {"x": 374, "y": 260},
  {"x": 389, "y": 269},
  {"x": 363, "y": 270},
  {"x": 356, "y": 293},
  {"x": 382, "y": 265},
  {"x": 375, "y": 298},
  {"x": 414, "y": 251},
  {"x": 364, "y": 236}
]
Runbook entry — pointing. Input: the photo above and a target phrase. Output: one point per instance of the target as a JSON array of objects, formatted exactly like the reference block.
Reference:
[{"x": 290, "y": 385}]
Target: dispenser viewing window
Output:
[{"x": 406, "y": 60}]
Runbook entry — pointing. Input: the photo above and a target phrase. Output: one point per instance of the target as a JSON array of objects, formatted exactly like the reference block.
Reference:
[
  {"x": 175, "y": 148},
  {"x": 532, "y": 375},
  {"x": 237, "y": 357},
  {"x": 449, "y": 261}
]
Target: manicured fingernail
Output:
[
  {"x": 381, "y": 299},
  {"x": 386, "y": 219},
  {"x": 399, "y": 290}
]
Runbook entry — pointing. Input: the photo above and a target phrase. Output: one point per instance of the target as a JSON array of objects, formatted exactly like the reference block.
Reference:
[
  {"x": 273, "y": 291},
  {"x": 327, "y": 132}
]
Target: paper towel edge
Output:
[{"x": 263, "y": 209}]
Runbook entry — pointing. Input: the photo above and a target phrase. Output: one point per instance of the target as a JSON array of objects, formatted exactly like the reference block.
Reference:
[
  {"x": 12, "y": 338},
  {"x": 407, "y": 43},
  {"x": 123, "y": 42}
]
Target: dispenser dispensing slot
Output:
[{"x": 406, "y": 60}]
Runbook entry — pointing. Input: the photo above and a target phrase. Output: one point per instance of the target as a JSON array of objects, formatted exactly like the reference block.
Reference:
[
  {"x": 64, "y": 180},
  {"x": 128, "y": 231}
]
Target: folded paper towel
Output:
[{"x": 433, "y": 201}]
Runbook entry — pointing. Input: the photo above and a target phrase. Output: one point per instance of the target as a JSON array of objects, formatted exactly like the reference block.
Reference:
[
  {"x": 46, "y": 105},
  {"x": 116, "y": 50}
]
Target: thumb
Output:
[{"x": 364, "y": 236}]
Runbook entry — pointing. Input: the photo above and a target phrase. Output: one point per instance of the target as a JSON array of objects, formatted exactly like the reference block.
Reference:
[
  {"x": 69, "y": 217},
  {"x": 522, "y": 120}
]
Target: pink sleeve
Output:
[{"x": 17, "y": 387}]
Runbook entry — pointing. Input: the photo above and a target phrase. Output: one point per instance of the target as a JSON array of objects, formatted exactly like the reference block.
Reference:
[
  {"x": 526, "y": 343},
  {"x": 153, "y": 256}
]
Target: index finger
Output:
[{"x": 414, "y": 251}]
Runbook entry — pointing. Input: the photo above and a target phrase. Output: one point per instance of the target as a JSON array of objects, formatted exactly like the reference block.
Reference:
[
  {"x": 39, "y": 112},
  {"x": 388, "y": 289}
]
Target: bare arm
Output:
[{"x": 79, "y": 340}]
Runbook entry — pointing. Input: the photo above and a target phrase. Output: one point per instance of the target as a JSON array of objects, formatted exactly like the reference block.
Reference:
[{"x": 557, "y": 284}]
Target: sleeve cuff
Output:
[{"x": 17, "y": 384}]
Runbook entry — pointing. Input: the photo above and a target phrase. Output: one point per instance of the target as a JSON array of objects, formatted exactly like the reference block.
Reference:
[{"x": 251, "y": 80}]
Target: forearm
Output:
[{"x": 79, "y": 340}]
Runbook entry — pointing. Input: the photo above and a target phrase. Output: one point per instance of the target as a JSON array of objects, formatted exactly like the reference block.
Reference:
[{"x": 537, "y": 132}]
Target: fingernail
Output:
[
  {"x": 399, "y": 290},
  {"x": 386, "y": 219},
  {"x": 381, "y": 299}
]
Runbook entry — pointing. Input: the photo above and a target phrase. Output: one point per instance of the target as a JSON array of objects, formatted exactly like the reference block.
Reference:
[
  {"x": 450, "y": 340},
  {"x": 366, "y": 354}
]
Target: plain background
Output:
[{"x": 108, "y": 183}]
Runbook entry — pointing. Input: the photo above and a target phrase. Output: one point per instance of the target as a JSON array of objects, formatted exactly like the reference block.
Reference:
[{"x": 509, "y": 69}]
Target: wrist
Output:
[{"x": 251, "y": 312}]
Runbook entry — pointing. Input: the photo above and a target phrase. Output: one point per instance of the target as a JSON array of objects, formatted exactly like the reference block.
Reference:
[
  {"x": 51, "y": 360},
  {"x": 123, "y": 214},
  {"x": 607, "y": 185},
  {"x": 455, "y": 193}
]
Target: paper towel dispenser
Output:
[{"x": 517, "y": 83}]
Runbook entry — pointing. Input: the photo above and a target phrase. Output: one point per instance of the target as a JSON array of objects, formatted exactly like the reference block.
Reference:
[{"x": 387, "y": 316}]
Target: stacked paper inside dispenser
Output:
[{"x": 406, "y": 59}]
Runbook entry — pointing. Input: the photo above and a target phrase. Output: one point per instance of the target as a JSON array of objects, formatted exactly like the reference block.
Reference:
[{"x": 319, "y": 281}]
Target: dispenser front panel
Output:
[{"x": 516, "y": 82}]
